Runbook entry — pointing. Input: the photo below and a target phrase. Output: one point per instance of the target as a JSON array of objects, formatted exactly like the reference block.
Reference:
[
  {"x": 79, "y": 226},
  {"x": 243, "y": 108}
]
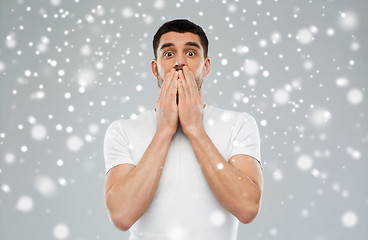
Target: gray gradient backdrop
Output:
[{"x": 69, "y": 68}]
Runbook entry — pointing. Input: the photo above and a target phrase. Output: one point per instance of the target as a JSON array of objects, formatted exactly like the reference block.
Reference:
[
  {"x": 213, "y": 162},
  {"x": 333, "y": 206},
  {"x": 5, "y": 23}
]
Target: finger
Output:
[
  {"x": 193, "y": 85},
  {"x": 167, "y": 77},
  {"x": 181, "y": 90},
  {"x": 166, "y": 83},
  {"x": 161, "y": 95},
  {"x": 172, "y": 89},
  {"x": 189, "y": 80},
  {"x": 184, "y": 86}
]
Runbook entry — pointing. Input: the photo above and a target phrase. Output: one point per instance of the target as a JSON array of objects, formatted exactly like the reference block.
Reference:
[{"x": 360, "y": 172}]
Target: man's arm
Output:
[
  {"x": 127, "y": 197},
  {"x": 237, "y": 184},
  {"x": 129, "y": 190}
]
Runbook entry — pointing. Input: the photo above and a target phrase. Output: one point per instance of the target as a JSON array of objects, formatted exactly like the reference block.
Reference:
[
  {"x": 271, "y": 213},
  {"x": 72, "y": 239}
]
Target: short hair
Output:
[{"x": 180, "y": 26}]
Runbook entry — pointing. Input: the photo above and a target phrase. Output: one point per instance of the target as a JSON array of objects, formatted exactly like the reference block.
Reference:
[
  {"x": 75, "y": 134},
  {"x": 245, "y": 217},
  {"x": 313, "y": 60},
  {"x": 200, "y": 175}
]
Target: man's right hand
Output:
[{"x": 166, "y": 107}]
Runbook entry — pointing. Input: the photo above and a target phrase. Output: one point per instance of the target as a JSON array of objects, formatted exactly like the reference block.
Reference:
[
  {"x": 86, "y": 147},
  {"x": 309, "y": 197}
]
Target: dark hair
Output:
[{"x": 180, "y": 26}]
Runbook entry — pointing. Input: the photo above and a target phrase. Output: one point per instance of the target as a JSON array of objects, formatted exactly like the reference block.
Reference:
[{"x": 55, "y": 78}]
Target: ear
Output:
[
  {"x": 207, "y": 66},
  {"x": 154, "y": 67}
]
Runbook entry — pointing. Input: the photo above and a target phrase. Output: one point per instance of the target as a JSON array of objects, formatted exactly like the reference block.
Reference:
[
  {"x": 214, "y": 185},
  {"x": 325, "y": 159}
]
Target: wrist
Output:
[
  {"x": 194, "y": 132},
  {"x": 165, "y": 133}
]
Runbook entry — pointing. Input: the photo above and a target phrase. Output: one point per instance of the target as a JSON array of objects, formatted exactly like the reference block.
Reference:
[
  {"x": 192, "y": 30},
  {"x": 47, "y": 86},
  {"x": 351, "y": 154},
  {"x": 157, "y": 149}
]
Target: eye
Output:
[
  {"x": 190, "y": 54},
  {"x": 168, "y": 54}
]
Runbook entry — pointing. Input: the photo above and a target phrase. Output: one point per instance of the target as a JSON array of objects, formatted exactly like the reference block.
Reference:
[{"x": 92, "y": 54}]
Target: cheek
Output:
[
  {"x": 163, "y": 70},
  {"x": 198, "y": 73},
  {"x": 197, "y": 68}
]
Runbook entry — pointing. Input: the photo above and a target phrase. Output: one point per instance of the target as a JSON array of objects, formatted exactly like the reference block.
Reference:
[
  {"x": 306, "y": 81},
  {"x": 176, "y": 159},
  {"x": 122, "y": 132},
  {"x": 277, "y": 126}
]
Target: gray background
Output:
[{"x": 69, "y": 68}]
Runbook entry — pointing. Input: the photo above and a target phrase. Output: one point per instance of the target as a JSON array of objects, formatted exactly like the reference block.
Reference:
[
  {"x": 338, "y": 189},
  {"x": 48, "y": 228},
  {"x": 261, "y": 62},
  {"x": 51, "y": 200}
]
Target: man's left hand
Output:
[{"x": 190, "y": 103}]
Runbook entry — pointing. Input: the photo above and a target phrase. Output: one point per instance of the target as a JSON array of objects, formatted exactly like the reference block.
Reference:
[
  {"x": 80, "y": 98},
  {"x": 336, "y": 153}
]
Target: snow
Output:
[
  {"x": 24, "y": 148},
  {"x": 60, "y": 162},
  {"x": 275, "y": 37},
  {"x": 24, "y": 204},
  {"x": 281, "y": 96},
  {"x": 218, "y": 218},
  {"x": 278, "y": 175},
  {"x": 349, "y": 219},
  {"x": 5, "y": 187},
  {"x": 45, "y": 186},
  {"x": 55, "y": 2},
  {"x": 176, "y": 232},
  {"x": 38, "y": 132},
  {"x": 304, "y": 36},
  {"x": 93, "y": 128},
  {"x": 342, "y": 82},
  {"x": 355, "y": 96},
  {"x": 139, "y": 88},
  {"x": 273, "y": 231},
  {"x": 220, "y": 166},
  {"x": 2, "y": 66},
  {"x": 251, "y": 67},
  {"x": 86, "y": 77},
  {"x": 304, "y": 162},
  {"x": 74, "y": 143},
  {"x": 348, "y": 20},
  {"x": 320, "y": 117},
  {"x": 11, "y": 41},
  {"x": 70, "y": 68},
  {"x": 159, "y": 4},
  {"x": 330, "y": 32},
  {"x": 236, "y": 73},
  {"x": 61, "y": 231},
  {"x": 127, "y": 12},
  {"x": 9, "y": 158}
]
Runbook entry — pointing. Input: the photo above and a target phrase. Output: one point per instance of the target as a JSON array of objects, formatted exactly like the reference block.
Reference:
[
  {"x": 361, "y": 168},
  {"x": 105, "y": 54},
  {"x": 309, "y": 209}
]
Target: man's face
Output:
[{"x": 176, "y": 50}]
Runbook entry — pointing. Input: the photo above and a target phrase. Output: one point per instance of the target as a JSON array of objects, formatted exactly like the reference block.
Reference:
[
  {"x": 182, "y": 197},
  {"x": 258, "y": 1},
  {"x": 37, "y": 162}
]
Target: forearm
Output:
[
  {"x": 130, "y": 197},
  {"x": 235, "y": 191}
]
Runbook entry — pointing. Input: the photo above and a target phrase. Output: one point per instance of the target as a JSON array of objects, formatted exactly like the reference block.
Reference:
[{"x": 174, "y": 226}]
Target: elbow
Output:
[
  {"x": 120, "y": 220},
  {"x": 249, "y": 211},
  {"x": 124, "y": 226},
  {"x": 248, "y": 215},
  {"x": 121, "y": 223}
]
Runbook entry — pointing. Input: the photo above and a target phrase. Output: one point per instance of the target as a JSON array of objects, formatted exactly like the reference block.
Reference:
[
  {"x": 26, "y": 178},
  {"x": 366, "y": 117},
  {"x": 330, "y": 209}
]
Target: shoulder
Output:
[
  {"x": 226, "y": 115},
  {"x": 134, "y": 121}
]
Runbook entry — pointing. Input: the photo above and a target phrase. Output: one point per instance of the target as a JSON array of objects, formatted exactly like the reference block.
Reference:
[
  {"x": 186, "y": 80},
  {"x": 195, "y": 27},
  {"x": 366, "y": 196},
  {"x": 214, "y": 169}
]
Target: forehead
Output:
[{"x": 179, "y": 39}]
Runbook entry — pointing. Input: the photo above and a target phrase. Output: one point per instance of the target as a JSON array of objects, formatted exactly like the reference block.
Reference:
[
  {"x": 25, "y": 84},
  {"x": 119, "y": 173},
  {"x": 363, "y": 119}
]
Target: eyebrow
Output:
[{"x": 193, "y": 44}]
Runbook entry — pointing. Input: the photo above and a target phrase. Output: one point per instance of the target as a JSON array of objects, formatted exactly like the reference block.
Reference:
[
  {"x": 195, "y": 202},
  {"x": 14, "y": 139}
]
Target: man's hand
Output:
[
  {"x": 190, "y": 103},
  {"x": 166, "y": 108}
]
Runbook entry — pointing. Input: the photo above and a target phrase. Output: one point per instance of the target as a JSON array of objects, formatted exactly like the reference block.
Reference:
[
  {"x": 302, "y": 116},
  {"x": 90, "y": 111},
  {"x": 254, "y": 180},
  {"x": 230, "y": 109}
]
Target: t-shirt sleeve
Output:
[
  {"x": 246, "y": 139},
  {"x": 116, "y": 146}
]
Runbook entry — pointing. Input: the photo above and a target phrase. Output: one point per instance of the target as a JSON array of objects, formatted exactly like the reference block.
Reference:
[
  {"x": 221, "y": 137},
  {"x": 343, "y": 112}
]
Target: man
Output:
[{"x": 184, "y": 170}]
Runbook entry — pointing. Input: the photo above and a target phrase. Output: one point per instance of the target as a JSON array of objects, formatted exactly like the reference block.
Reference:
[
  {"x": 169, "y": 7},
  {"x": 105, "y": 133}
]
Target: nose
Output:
[{"x": 179, "y": 63}]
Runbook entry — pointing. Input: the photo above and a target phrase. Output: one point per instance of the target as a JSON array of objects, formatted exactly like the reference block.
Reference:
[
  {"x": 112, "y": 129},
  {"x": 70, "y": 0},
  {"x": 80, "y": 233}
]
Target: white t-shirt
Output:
[{"x": 183, "y": 206}]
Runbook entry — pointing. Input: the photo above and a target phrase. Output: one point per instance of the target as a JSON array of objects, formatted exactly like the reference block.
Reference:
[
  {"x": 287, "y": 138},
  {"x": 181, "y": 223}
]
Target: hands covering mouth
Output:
[{"x": 187, "y": 108}]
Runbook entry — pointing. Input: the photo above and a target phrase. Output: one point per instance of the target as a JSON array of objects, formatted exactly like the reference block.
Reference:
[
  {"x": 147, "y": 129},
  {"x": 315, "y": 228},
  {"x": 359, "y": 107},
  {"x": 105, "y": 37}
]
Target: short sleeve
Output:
[
  {"x": 246, "y": 138},
  {"x": 116, "y": 146}
]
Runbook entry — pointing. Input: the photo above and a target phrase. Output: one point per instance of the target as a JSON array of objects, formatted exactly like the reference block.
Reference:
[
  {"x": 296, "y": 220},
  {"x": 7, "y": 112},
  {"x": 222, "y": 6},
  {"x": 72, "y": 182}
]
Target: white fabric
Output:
[{"x": 183, "y": 206}]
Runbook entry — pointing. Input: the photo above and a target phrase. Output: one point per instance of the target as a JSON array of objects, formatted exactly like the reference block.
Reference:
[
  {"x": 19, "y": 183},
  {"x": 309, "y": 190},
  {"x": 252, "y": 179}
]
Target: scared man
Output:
[{"x": 184, "y": 170}]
